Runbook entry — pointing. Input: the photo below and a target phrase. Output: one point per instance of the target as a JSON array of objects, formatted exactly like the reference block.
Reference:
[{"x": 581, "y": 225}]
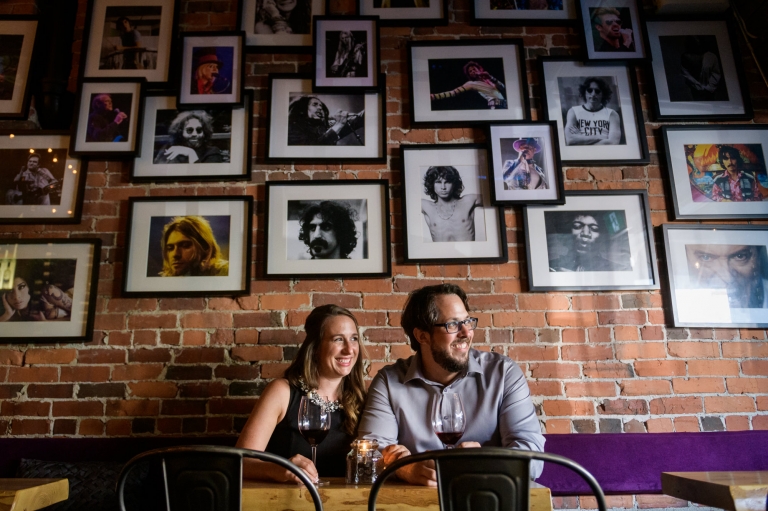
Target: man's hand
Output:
[
  {"x": 172, "y": 152},
  {"x": 120, "y": 117},
  {"x": 626, "y": 37},
  {"x": 422, "y": 473}
]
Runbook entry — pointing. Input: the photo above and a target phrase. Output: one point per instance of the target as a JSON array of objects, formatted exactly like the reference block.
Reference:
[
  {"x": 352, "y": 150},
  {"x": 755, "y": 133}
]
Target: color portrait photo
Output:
[
  {"x": 523, "y": 163},
  {"x": 693, "y": 68},
  {"x": 346, "y": 53},
  {"x": 37, "y": 289},
  {"x": 467, "y": 84},
  {"x": 580, "y": 241},
  {"x": 130, "y": 37},
  {"x": 109, "y": 117},
  {"x": 212, "y": 68},
  {"x": 193, "y": 136},
  {"x": 326, "y": 119},
  {"x": 591, "y": 110},
  {"x": 328, "y": 229},
  {"x": 35, "y": 176},
  {"x": 451, "y": 196},
  {"x": 612, "y": 29},
  {"x": 10, "y": 53},
  {"x": 189, "y": 246},
  {"x": 727, "y": 172}
]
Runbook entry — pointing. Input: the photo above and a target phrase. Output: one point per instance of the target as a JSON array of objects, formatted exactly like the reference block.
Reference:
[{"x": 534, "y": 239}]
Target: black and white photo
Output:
[
  {"x": 525, "y": 160},
  {"x": 523, "y": 12},
  {"x": 408, "y": 13},
  {"x": 181, "y": 246},
  {"x": 17, "y": 42},
  {"x": 327, "y": 229},
  {"x": 612, "y": 29},
  {"x": 130, "y": 39},
  {"x": 212, "y": 69},
  {"x": 447, "y": 205},
  {"x": 696, "y": 72},
  {"x": 279, "y": 26},
  {"x": 718, "y": 275},
  {"x": 597, "y": 110},
  {"x": 346, "y": 53},
  {"x": 325, "y": 126},
  {"x": 595, "y": 241},
  {"x": 48, "y": 289},
  {"x": 467, "y": 82}
]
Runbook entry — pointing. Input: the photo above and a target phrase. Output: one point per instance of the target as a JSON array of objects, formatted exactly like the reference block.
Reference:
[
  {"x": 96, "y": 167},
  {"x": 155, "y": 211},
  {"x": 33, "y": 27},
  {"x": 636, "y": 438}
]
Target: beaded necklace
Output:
[{"x": 329, "y": 406}]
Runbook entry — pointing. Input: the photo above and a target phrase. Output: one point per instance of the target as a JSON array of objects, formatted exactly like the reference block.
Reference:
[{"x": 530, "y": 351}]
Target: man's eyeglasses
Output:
[
  {"x": 453, "y": 327},
  {"x": 193, "y": 130}
]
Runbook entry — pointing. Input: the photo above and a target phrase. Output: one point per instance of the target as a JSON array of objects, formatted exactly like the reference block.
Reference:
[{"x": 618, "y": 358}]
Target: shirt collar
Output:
[{"x": 415, "y": 372}]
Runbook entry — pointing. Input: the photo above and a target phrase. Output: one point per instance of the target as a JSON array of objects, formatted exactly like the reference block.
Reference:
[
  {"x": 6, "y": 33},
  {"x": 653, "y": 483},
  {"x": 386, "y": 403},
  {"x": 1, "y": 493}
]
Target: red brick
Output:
[
  {"x": 636, "y": 317},
  {"x": 282, "y": 302},
  {"x": 572, "y": 319},
  {"x": 100, "y": 356},
  {"x": 572, "y": 335},
  {"x": 132, "y": 408},
  {"x": 747, "y": 385},
  {"x": 543, "y": 302},
  {"x": 599, "y": 335},
  {"x": 698, "y": 386},
  {"x": 659, "y": 425},
  {"x": 576, "y": 352},
  {"x": 694, "y": 349},
  {"x": 153, "y": 389},
  {"x": 625, "y": 333},
  {"x": 49, "y": 356},
  {"x": 713, "y": 368},
  {"x": 676, "y": 405},
  {"x": 737, "y": 423},
  {"x": 660, "y": 368},
  {"x": 659, "y": 501},
  {"x": 745, "y": 349},
  {"x": 199, "y": 355},
  {"x": 273, "y": 370},
  {"x": 518, "y": 319},
  {"x": 590, "y": 389},
  {"x": 760, "y": 422},
  {"x": 644, "y": 387},
  {"x": 558, "y": 426},
  {"x": 729, "y": 404},
  {"x": 257, "y": 353},
  {"x": 11, "y": 357},
  {"x": 607, "y": 370},
  {"x": 753, "y": 367},
  {"x": 554, "y": 370},
  {"x": 33, "y": 374},
  {"x": 519, "y": 353},
  {"x": 566, "y": 408},
  {"x": 623, "y": 407},
  {"x": 91, "y": 427},
  {"x": 595, "y": 302},
  {"x": 652, "y": 333},
  {"x": 640, "y": 350},
  {"x": 30, "y": 427},
  {"x": 25, "y": 409},
  {"x": 137, "y": 372},
  {"x": 150, "y": 321},
  {"x": 85, "y": 373},
  {"x": 77, "y": 408},
  {"x": 206, "y": 320},
  {"x": 687, "y": 424}
]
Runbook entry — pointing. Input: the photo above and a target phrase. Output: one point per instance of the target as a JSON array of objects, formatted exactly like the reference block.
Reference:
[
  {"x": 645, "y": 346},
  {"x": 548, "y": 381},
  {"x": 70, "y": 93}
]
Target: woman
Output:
[
  {"x": 18, "y": 304},
  {"x": 283, "y": 17},
  {"x": 328, "y": 364},
  {"x": 310, "y": 123}
]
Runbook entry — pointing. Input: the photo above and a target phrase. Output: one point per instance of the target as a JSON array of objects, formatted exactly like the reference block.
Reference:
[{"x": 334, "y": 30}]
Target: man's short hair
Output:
[
  {"x": 450, "y": 174},
  {"x": 339, "y": 216},
  {"x": 34, "y": 155},
  {"x": 176, "y": 129},
  {"x": 602, "y": 11},
  {"x": 199, "y": 230},
  {"x": 601, "y": 84},
  {"x": 734, "y": 153},
  {"x": 469, "y": 64},
  {"x": 421, "y": 309}
]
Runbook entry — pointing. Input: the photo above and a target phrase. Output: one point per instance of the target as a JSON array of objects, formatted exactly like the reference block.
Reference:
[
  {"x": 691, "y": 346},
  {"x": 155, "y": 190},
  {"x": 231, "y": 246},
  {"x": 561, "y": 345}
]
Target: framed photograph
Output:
[
  {"x": 43, "y": 183},
  {"x": 447, "y": 211},
  {"x": 283, "y": 26},
  {"x": 596, "y": 241},
  {"x": 406, "y": 13},
  {"x": 17, "y": 40},
  {"x": 696, "y": 73},
  {"x": 177, "y": 246},
  {"x": 108, "y": 118},
  {"x": 523, "y": 12},
  {"x": 482, "y": 81},
  {"x": 328, "y": 127},
  {"x": 612, "y": 29},
  {"x": 209, "y": 143},
  {"x": 130, "y": 39},
  {"x": 328, "y": 229},
  {"x": 597, "y": 111},
  {"x": 525, "y": 164},
  {"x": 718, "y": 171},
  {"x": 48, "y": 289},
  {"x": 212, "y": 69},
  {"x": 718, "y": 275},
  {"x": 346, "y": 53}
]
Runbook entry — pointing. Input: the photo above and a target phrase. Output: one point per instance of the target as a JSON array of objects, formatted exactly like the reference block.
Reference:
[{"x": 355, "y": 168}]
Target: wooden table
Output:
[
  {"x": 735, "y": 491},
  {"x": 31, "y": 494},
  {"x": 338, "y": 496}
]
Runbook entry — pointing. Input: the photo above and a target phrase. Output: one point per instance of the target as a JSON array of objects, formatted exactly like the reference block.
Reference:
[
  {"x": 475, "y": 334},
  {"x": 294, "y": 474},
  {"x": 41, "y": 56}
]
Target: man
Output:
[
  {"x": 130, "y": 39},
  {"x": 584, "y": 252},
  {"x": 328, "y": 230},
  {"x": 190, "y": 249},
  {"x": 480, "y": 81},
  {"x": 190, "y": 133},
  {"x": 34, "y": 184},
  {"x": 740, "y": 269},
  {"x": 206, "y": 78},
  {"x": 310, "y": 123},
  {"x": 524, "y": 173},
  {"x": 449, "y": 215},
  {"x": 610, "y": 35},
  {"x": 494, "y": 391},
  {"x": 734, "y": 183},
  {"x": 351, "y": 57},
  {"x": 593, "y": 123},
  {"x": 701, "y": 69},
  {"x": 106, "y": 123}
]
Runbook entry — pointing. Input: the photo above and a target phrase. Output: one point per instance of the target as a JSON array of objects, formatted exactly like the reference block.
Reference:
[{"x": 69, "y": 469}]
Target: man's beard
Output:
[
  {"x": 318, "y": 245},
  {"x": 194, "y": 144},
  {"x": 444, "y": 360}
]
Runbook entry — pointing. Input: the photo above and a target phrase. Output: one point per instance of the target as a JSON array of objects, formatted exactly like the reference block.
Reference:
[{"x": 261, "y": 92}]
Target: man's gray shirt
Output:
[{"x": 497, "y": 404}]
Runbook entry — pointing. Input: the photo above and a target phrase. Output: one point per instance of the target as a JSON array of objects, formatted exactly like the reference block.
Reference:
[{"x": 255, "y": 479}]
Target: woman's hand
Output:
[
  {"x": 8, "y": 311},
  {"x": 270, "y": 8},
  {"x": 304, "y": 464}
]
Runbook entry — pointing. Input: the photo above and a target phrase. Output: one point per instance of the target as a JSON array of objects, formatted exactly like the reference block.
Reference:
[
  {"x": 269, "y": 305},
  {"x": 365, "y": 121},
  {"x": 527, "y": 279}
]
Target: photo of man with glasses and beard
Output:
[
  {"x": 738, "y": 269},
  {"x": 190, "y": 139}
]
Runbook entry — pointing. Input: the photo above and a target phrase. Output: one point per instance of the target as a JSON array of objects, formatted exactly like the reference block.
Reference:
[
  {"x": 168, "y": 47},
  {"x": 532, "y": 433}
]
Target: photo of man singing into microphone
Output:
[
  {"x": 327, "y": 119},
  {"x": 108, "y": 119}
]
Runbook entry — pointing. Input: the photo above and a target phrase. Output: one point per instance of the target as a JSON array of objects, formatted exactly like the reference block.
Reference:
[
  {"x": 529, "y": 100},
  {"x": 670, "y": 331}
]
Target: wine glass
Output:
[
  {"x": 314, "y": 424},
  {"x": 448, "y": 419}
]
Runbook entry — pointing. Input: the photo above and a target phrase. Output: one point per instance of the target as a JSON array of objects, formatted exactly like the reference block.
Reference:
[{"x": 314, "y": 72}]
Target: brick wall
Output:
[{"x": 596, "y": 362}]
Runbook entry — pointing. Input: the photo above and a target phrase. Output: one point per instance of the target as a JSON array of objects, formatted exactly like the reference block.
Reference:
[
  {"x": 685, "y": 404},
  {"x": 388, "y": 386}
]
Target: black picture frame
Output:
[
  {"x": 506, "y": 189},
  {"x": 692, "y": 177},
  {"x": 282, "y": 87},
  {"x": 349, "y": 202},
  {"x": 622, "y": 218},
  {"x": 481, "y": 14},
  {"x": 62, "y": 277},
  {"x": 65, "y": 191},
  {"x": 294, "y": 42},
  {"x": 634, "y": 149},
  {"x": 216, "y": 47},
  {"x": 406, "y": 16},
  {"x": 149, "y": 167},
  {"x": 426, "y": 59},
  {"x": 420, "y": 229},
  {"x": 165, "y": 71},
  {"x": 697, "y": 296},
  {"x": 228, "y": 220},
  {"x": 589, "y": 39},
  {"x": 94, "y": 144},
  {"x": 353, "y": 75},
  {"x": 729, "y": 99},
  {"x": 23, "y": 30}
]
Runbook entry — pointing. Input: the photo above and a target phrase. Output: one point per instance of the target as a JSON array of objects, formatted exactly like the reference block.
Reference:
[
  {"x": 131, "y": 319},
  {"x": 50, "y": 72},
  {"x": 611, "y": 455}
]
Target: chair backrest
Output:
[
  {"x": 204, "y": 477},
  {"x": 484, "y": 479}
]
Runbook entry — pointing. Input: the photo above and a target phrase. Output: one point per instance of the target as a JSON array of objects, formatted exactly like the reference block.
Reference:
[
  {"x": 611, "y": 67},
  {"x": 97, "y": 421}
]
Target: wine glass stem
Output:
[{"x": 314, "y": 454}]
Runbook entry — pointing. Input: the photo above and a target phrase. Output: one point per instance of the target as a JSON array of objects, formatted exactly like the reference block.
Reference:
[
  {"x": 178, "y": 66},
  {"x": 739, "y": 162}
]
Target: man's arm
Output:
[
  {"x": 614, "y": 130},
  {"x": 378, "y": 421}
]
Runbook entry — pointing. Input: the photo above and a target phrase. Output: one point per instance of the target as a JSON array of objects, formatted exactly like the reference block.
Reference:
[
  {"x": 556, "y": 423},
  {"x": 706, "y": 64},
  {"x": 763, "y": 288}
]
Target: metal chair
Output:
[
  {"x": 204, "y": 477},
  {"x": 484, "y": 479}
]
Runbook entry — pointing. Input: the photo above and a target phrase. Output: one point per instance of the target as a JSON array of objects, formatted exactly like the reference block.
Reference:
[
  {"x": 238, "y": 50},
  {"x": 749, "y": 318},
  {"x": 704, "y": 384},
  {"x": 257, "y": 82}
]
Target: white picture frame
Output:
[
  {"x": 281, "y": 39},
  {"x": 591, "y": 37}
]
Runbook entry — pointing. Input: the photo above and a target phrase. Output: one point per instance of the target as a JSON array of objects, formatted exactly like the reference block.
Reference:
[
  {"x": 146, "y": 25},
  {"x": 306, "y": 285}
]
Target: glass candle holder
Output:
[{"x": 363, "y": 462}]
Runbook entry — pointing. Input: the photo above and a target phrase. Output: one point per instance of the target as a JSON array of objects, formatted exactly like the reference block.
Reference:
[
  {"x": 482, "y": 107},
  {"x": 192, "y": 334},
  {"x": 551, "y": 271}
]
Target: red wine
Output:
[
  {"x": 314, "y": 436},
  {"x": 450, "y": 437}
]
